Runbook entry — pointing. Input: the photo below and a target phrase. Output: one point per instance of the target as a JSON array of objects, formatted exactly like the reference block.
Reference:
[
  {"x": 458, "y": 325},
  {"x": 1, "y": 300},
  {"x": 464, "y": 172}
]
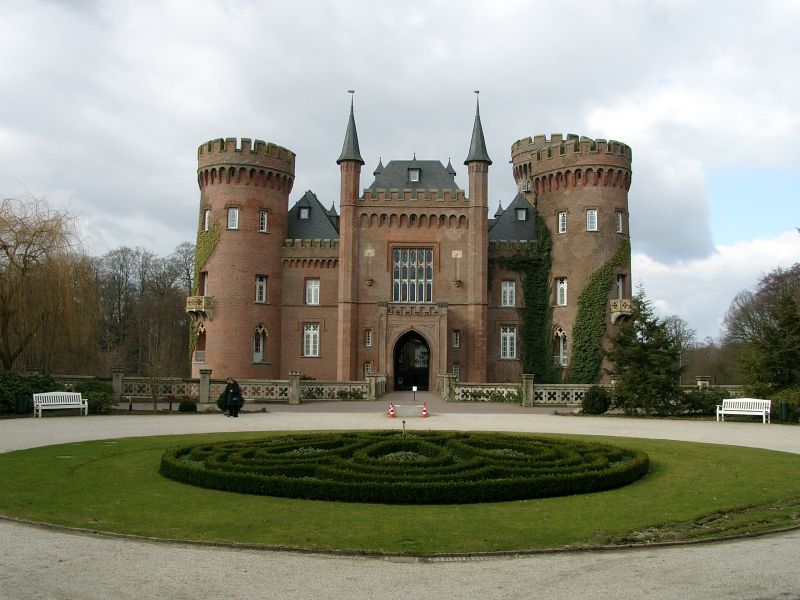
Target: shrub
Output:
[
  {"x": 187, "y": 405},
  {"x": 16, "y": 391},
  {"x": 702, "y": 401},
  {"x": 792, "y": 397},
  {"x": 94, "y": 385},
  {"x": 431, "y": 467},
  {"x": 596, "y": 400},
  {"x": 99, "y": 402}
]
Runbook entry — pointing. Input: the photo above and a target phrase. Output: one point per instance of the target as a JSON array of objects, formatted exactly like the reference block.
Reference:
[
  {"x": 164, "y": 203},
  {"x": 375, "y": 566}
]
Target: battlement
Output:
[
  {"x": 500, "y": 245},
  {"x": 245, "y": 152},
  {"x": 560, "y": 145},
  {"x": 309, "y": 243},
  {"x": 418, "y": 195}
]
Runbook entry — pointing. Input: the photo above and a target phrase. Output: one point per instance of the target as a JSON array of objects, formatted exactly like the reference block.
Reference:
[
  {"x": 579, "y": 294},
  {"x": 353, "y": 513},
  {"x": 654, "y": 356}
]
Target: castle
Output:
[{"x": 411, "y": 278}]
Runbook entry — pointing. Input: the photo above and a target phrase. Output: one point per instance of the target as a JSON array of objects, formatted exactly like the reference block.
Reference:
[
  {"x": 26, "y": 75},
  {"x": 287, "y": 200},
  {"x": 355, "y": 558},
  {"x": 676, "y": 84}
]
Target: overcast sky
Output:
[{"x": 103, "y": 106}]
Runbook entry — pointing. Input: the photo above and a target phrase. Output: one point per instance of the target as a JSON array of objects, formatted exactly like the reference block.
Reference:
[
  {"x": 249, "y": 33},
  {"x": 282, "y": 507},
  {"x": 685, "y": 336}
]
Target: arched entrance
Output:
[{"x": 412, "y": 357}]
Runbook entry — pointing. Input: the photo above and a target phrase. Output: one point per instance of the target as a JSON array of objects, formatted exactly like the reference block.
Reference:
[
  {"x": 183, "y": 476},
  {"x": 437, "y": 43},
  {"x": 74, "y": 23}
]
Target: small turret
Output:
[
  {"x": 477, "y": 147},
  {"x": 350, "y": 150}
]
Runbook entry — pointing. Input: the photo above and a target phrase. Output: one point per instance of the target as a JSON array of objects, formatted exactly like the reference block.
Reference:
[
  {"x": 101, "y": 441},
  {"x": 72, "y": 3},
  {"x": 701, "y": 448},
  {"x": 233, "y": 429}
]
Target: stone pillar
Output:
[
  {"x": 445, "y": 386},
  {"x": 294, "y": 387},
  {"x": 371, "y": 387},
  {"x": 117, "y": 377},
  {"x": 527, "y": 389},
  {"x": 205, "y": 386}
]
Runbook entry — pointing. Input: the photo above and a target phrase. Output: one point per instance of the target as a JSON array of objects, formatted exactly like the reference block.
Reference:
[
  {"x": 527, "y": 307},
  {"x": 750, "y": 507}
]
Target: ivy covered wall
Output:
[
  {"x": 207, "y": 241},
  {"x": 590, "y": 322}
]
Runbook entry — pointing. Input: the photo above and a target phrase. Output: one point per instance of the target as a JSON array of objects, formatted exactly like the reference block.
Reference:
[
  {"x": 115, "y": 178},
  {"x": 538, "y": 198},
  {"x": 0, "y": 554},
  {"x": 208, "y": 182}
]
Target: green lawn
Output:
[{"x": 692, "y": 490}]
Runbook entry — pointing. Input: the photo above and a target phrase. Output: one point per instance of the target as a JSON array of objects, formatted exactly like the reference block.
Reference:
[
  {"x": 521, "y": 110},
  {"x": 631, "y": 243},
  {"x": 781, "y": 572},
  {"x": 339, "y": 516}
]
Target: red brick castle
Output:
[{"x": 411, "y": 278}]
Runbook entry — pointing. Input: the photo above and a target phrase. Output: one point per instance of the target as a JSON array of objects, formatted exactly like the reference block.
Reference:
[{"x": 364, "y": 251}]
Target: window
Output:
[
  {"x": 260, "y": 344},
  {"x": 261, "y": 288},
  {"x": 368, "y": 337},
  {"x": 560, "y": 344},
  {"x": 620, "y": 286},
  {"x": 561, "y": 291},
  {"x": 262, "y": 221},
  {"x": 591, "y": 219},
  {"x": 412, "y": 275},
  {"x": 413, "y": 175},
  {"x": 522, "y": 214},
  {"x": 508, "y": 293},
  {"x": 202, "y": 285},
  {"x": 233, "y": 218},
  {"x": 456, "y": 370},
  {"x": 305, "y": 212},
  {"x": 312, "y": 291},
  {"x": 367, "y": 369},
  {"x": 311, "y": 339},
  {"x": 508, "y": 341},
  {"x": 562, "y": 222},
  {"x": 206, "y": 219},
  {"x": 618, "y": 220},
  {"x": 456, "y": 338}
]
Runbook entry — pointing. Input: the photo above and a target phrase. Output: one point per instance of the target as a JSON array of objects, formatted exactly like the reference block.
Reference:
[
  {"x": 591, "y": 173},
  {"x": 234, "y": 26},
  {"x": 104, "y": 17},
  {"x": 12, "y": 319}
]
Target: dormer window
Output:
[
  {"x": 305, "y": 213},
  {"x": 522, "y": 214},
  {"x": 413, "y": 175}
]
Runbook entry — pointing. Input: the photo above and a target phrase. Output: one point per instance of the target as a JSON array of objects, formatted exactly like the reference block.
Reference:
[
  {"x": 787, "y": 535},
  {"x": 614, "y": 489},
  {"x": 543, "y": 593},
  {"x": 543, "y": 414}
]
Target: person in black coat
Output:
[{"x": 233, "y": 397}]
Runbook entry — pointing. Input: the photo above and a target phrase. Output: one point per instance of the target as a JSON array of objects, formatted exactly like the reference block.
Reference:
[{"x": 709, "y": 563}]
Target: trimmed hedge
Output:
[{"x": 420, "y": 468}]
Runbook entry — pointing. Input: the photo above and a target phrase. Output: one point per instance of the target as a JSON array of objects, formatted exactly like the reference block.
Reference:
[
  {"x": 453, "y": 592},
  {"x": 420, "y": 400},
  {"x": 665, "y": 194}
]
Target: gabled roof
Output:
[
  {"x": 320, "y": 225},
  {"x": 432, "y": 175},
  {"x": 507, "y": 227}
]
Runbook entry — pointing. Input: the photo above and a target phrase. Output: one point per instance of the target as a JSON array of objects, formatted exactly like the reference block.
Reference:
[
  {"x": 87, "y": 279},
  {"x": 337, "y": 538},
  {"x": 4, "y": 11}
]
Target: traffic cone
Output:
[
  {"x": 424, "y": 410},
  {"x": 391, "y": 410}
]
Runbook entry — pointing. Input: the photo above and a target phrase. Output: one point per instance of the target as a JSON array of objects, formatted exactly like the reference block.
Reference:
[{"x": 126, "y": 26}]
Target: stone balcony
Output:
[
  {"x": 200, "y": 306},
  {"x": 620, "y": 308}
]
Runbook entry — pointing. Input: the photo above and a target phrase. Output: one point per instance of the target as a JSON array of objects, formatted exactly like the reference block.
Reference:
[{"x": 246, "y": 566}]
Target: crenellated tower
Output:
[
  {"x": 244, "y": 197},
  {"x": 580, "y": 187}
]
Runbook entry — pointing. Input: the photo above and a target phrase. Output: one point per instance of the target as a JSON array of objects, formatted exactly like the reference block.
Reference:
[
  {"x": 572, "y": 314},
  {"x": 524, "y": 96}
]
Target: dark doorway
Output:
[{"x": 412, "y": 357}]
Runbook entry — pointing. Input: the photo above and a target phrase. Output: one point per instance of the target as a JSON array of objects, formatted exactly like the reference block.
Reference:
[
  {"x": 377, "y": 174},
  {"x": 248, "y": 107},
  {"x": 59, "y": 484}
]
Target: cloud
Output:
[{"x": 700, "y": 290}]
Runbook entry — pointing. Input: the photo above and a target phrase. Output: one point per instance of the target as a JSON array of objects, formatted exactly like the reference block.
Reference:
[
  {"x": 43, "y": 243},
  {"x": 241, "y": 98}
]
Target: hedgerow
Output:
[{"x": 416, "y": 468}]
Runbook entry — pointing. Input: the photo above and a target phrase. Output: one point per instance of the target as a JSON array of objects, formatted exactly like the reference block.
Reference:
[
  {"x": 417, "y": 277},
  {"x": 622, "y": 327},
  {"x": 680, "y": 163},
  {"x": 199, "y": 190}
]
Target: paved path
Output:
[{"x": 39, "y": 563}]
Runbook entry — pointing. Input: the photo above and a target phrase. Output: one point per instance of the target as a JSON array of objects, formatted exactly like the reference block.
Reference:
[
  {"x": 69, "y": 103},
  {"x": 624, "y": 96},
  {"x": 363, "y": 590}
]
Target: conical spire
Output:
[
  {"x": 477, "y": 147},
  {"x": 450, "y": 169},
  {"x": 350, "y": 150},
  {"x": 499, "y": 212},
  {"x": 379, "y": 169}
]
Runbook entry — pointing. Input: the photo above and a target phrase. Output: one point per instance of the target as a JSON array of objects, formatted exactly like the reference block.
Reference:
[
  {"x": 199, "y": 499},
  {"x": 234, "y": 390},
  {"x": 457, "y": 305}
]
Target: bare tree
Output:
[{"x": 41, "y": 271}]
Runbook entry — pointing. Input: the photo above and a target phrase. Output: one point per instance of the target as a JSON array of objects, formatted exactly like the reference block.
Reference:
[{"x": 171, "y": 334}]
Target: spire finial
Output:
[
  {"x": 477, "y": 103},
  {"x": 477, "y": 147},
  {"x": 352, "y": 95},
  {"x": 350, "y": 150}
]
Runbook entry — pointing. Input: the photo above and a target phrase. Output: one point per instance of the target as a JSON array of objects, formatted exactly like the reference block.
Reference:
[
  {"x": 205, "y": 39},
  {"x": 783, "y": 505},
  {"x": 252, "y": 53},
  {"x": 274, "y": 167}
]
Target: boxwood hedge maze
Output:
[{"x": 388, "y": 467}]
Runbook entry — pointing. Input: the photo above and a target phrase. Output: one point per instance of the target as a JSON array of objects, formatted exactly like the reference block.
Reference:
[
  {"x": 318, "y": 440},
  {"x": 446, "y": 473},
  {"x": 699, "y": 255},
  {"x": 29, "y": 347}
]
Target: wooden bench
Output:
[
  {"x": 744, "y": 406},
  {"x": 49, "y": 400}
]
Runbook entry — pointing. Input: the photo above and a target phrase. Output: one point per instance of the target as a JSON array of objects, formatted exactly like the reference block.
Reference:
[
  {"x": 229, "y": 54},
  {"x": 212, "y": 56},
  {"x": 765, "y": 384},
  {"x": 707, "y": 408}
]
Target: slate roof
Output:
[
  {"x": 505, "y": 225},
  {"x": 477, "y": 146},
  {"x": 321, "y": 224},
  {"x": 433, "y": 175},
  {"x": 350, "y": 150}
]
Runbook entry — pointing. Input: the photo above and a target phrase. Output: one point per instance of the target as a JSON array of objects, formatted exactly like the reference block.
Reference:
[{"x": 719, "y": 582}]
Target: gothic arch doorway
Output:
[{"x": 412, "y": 358}]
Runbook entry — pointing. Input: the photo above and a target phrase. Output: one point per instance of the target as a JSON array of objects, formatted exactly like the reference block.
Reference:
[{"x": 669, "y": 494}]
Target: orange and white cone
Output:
[
  {"x": 424, "y": 410},
  {"x": 391, "y": 410}
]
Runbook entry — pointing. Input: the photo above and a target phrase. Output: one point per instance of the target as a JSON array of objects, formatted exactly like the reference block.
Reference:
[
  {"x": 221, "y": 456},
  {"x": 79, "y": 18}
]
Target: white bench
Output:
[
  {"x": 744, "y": 406},
  {"x": 49, "y": 400}
]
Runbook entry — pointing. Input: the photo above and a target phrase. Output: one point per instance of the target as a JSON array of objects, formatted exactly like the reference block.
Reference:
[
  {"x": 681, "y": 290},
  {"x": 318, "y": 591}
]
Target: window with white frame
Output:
[
  {"x": 202, "y": 285},
  {"x": 456, "y": 370},
  {"x": 262, "y": 221},
  {"x": 591, "y": 219},
  {"x": 368, "y": 337},
  {"x": 522, "y": 214},
  {"x": 561, "y": 291},
  {"x": 367, "y": 369},
  {"x": 618, "y": 220},
  {"x": 261, "y": 288},
  {"x": 508, "y": 341},
  {"x": 456, "y": 338},
  {"x": 206, "y": 219},
  {"x": 412, "y": 275},
  {"x": 312, "y": 291},
  {"x": 508, "y": 293},
  {"x": 620, "y": 286},
  {"x": 260, "y": 344},
  {"x": 305, "y": 212},
  {"x": 311, "y": 339},
  {"x": 233, "y": 218},
  {"x": 562, "y": 222},
  {"x": 413, "y": 175}
]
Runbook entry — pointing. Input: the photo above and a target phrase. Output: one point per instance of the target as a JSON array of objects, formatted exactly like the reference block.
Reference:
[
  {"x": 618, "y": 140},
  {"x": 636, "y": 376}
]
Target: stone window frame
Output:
[
  {"x": 261, "y": 289},
  {"x": 368, "y": 337},
  {"x": 592, "y": 217},
  {"x": 313, "y": 288},
  {"x": 233, "y": 217},
  {"x": 456, "y": 338},
  {"x": 508, "y": 342},
  {"x": 260, "y": 344},
  {"x": 263, "y": 221},
  {"x": 561, "y": 291},
  {"x": 206, "y": 219},
  {"x": 311, "y": 340},
  {"x": 562, "y": 222},
  {"x": 508, "y": 293}
]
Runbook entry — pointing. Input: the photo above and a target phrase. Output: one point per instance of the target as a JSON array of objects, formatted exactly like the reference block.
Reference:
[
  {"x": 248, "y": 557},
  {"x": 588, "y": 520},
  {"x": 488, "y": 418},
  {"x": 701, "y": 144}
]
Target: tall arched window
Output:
[
  {"x": 561, "y": 359},
  {"x": 260, "y": 344}
]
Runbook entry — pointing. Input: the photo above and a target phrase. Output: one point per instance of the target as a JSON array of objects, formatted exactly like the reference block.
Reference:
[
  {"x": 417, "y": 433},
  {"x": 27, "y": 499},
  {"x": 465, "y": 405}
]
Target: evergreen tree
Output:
[{"x": 645, "y": 359}]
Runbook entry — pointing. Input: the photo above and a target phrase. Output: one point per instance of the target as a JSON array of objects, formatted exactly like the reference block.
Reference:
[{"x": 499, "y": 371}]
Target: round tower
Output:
[
  {"x": 580, "y": 188},
  {"x": 244, "y": 200}
]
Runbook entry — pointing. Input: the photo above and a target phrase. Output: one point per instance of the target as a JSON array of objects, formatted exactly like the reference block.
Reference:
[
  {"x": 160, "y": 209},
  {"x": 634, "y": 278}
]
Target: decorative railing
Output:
[
  {"x": 139, "y": 388},
  {"x": 559, "y": 393},
  {"x": 200, "y": 304},
  {"x": 333, "y": 390},
  {"x": 490, "y": 392}
]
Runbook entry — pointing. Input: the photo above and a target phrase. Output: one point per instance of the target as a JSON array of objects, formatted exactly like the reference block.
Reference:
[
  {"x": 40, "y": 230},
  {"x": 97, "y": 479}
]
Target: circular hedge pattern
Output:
[{"x": 388, "y": 467}]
